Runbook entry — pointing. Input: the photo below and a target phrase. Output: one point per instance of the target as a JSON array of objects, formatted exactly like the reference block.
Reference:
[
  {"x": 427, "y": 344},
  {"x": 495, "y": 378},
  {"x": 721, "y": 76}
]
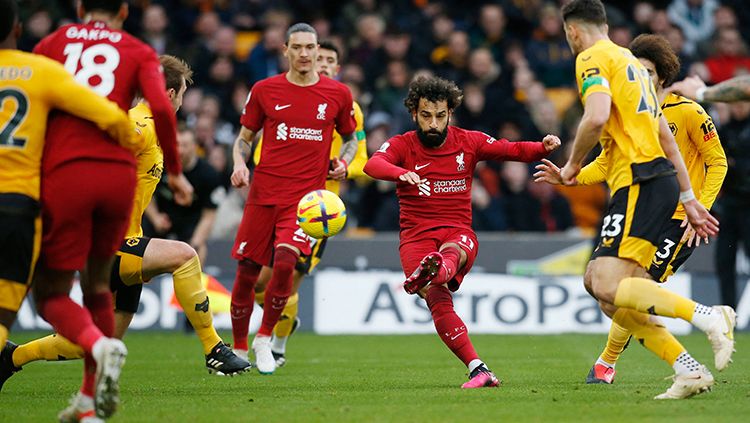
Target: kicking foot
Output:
[
  {"x": 223, "y": 362},
  {"x": 689, "y": 384},
  {"x": 427, "y": 270}
]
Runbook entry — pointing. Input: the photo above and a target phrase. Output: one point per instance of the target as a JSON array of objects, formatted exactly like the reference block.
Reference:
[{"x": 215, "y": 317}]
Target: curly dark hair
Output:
[
  {"x": 589, "y": 11},
  {"x": 657, "y": 49},
  {"x": 432, "y": 89}
]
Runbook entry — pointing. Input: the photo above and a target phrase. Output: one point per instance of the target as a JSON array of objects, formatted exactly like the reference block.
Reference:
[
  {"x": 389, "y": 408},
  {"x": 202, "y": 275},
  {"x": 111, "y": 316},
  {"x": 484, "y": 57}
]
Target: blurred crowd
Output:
[{"x": 510, "y": 57}]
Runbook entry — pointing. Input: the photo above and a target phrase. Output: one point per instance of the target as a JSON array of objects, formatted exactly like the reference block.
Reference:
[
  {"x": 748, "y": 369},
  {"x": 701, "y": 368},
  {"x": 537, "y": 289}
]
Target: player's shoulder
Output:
[
  {"x": 330, "y": 83},
  {"x": 405, "y": 140},
  {"x": 602, "y": 52},
  {"x": 35, "y": 66},
  {"x": 674, "y": 103},
  {"x": 140, "y": 112}
]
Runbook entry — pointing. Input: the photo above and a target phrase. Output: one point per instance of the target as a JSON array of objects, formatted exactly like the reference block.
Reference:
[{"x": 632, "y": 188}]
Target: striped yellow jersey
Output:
[
  {"x": 699, "y": 146},
  {"x": 355, "y": 168},
  {"x": 149, "y": 166},
  {"x": 630, "y": 138},
  {"x": 30, "y": 87}
]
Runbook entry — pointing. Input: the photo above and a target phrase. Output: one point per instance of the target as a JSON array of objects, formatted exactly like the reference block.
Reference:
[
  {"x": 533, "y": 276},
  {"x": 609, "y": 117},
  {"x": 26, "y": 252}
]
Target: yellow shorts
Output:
[
  {"x": 128, "y": 266},
  {"x": 637, "y": 217},
  {"x": 306, "y": 264},
  {"x": 21, "y": 234}
]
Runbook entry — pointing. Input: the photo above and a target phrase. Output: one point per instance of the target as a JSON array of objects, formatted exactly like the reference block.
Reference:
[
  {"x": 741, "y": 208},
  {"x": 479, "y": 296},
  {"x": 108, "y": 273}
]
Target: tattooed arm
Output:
[
  {"x": 735, "y": 89},
  {"x": 348, "y": 151},
  {"x": 241, "y": 153}
]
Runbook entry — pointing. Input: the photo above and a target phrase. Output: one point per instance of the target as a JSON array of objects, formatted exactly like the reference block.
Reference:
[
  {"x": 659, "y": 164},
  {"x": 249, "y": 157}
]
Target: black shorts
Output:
[
  {"x": 20, "y": 239},
  {"x": 126, "y": 280},
  {"x": 306, "y": 264},
  {"x": 636, "y": 219},
  {"x": 672, "y": 252}
]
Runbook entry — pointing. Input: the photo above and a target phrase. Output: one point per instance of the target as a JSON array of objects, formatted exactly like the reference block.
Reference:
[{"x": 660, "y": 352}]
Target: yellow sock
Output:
[
  {"x": 616, "y": 340},
  {"x": 3, "y": 335},
  {"x": 284, "y": 327},
  {"x": 260, "y": 297},
  {"x": 51, "y": 348},
  {"x": 646, "y": 296},
  {"x": 651, "y": 334},
  {"x": 191, "y": 295}
]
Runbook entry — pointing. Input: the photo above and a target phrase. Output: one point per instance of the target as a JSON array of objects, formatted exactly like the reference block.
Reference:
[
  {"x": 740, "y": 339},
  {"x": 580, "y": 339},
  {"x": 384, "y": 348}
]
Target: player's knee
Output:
[
  {"x": 182, "y": 253},
  {"x": 607, "y": 308},
  {"x": 587, "y": 278}
]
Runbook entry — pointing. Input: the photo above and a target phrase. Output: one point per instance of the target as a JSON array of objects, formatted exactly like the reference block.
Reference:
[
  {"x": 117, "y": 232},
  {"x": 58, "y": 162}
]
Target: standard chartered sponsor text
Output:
[
  {"x": 452, "y": 185},
  {"x": 307, "y": 134}
]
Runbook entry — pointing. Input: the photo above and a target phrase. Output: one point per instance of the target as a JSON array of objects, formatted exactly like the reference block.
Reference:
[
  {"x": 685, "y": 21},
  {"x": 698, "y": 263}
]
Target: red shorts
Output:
[
  {"x": 263, "y": 228},
  {"x": 86, "y": 208},
  {"x": 413, "y": 250}
]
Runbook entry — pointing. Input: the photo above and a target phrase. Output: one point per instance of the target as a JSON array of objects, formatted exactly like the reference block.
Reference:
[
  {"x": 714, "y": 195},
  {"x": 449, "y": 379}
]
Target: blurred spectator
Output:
[
  {"x": 264, "y": 59},
  {"x": 643, "y": 13},
  {"x": 529, "y": 208},
  {"x": 390, "y": 95},
  {"x": 489, "y": 31},
  {"x": 154, "y": 23},
  {"x": 548, "y": 52},
  {"x": 660, "y": 24},
  {"x": 696, "y": 18},
  {"x": 38, "y": 26},
  {"x": 734, "y": 202},
  {"x": 370, "y": 37},
  {"x": 473, "y": 111},
  {"x": 453, "y": 65},
  {"x": 191, "y": 224},
  {"x": 731, "y": 57},
  {"x": 677, "y": 40}
]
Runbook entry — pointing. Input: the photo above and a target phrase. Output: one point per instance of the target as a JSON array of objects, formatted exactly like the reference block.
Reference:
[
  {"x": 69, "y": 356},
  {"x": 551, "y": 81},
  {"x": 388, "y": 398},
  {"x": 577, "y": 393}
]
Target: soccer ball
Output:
[{"x": 321, "y": 214}]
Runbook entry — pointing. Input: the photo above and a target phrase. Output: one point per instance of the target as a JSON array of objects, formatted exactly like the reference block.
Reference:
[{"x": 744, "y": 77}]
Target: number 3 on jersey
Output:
[{"x": 99, "y": 60}]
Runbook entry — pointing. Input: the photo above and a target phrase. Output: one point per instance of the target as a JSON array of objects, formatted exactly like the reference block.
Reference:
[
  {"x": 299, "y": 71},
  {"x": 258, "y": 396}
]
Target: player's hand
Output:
[
  {"x": 337, "y": 169},
  {"x": 569, "y": 172},
  {"x": 161, "y": 223},
  {"x": 548, "y": 172},
  {"x": 551, "y": 143},
  {"x": 688, "y": 87},
  {"x": 240, "y": 176},
  {"x": 410, "y": 177},
  {"x": 181, "y": 189},
  {"x": 690, "y": 237},
  {"x": 700, "y": 219}
]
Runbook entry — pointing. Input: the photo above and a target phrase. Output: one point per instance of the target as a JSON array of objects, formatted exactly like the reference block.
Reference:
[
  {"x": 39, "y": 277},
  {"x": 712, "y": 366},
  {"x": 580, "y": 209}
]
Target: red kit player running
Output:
[
  {"x": 87, "y": 191},
  {"x": 434, "y": 167},
  {"x": 297, "y": 112}
]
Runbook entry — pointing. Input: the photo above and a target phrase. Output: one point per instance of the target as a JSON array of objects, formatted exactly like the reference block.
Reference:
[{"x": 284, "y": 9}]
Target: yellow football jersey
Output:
[
  {"x": 630, "y": 138},
  {"x": 149, "y": 166},
  {"x": 31, "y": 86},
  {"x": 355, "y": 168},
  {"x": 699, "y": 146}
]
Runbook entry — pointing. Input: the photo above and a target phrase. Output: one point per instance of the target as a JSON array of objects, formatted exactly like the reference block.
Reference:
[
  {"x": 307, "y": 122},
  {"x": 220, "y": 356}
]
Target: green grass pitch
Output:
[{"x": 389, "y": 379}]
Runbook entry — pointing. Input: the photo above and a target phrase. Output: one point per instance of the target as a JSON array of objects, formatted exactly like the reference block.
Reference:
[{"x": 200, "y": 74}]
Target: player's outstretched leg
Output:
[
  {"x": 243, "y": 297},
  {"x": 51, "y": 348},
  {"x": 453, "y": 333},
  {"x": 690, "y": 377},
  {"x": 287, "y": 325},
  {"x": 717, "y": 322},
  {"x": 425, "y": 273},
  {"x": 603, "y": 371}
]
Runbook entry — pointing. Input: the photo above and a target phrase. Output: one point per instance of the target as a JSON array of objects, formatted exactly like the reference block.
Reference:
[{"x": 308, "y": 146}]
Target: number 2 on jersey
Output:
[
  {"x": 90, "y": 67},
  {"x": 648, "y": 101},
  {"x": 8, "y": 128}
]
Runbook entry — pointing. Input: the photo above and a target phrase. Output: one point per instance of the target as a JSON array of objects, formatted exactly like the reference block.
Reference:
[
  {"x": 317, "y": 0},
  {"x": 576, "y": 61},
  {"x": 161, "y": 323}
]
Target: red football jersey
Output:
[
  {"x": 444, "y": 198},
  {"x": 115, "y": 65},
  {"x": 297, "y": 125}
]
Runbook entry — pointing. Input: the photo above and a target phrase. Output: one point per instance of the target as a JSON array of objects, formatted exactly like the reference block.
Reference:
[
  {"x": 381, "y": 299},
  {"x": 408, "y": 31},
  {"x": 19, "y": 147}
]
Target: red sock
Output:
[
  {"x": 102, "y": 311},
  {"x": 279, "y": 289},
  {"x": 89, "y": 375},
  {"x": 71, "y": 321},
  {"x": 451, "y": 261},
  {"x": 449, "y": 326},
  {"x": 243, "y": 298}
]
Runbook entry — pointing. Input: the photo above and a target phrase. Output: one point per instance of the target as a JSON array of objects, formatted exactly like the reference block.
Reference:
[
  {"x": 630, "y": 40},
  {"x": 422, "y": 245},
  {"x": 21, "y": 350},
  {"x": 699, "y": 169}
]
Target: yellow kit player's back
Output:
[
  {"x": 149, "y": 166},
  {"x": 630, "y": 139}
]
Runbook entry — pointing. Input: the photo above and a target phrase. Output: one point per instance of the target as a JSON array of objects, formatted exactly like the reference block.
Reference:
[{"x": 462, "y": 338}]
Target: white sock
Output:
[
  {"x": 278, "y": 344},
  {"x": 84, "y": 401},
  {"x": 685, "y": 363},
  {"x": 473, "y": 364},
  {"x": 97, "y": 347},
  {"x": 704, "y": 317},
  {"x": 604, "y": 363}
]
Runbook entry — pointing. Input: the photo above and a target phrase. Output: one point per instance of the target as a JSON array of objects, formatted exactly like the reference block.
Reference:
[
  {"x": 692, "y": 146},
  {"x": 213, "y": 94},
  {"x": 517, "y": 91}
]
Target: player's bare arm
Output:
[
  {"x": 735, "y": 89},
  {"x": 701, "y": 220},
  {"x": 348, "y": 151},
  {"x": 241, "y": 153},
  {"x": 595, "y": 116}
]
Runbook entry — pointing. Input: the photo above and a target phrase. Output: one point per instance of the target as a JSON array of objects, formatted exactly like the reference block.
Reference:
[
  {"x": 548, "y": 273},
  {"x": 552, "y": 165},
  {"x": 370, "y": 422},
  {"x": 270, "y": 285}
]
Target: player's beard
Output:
[{"x": 432, "y": 138}]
